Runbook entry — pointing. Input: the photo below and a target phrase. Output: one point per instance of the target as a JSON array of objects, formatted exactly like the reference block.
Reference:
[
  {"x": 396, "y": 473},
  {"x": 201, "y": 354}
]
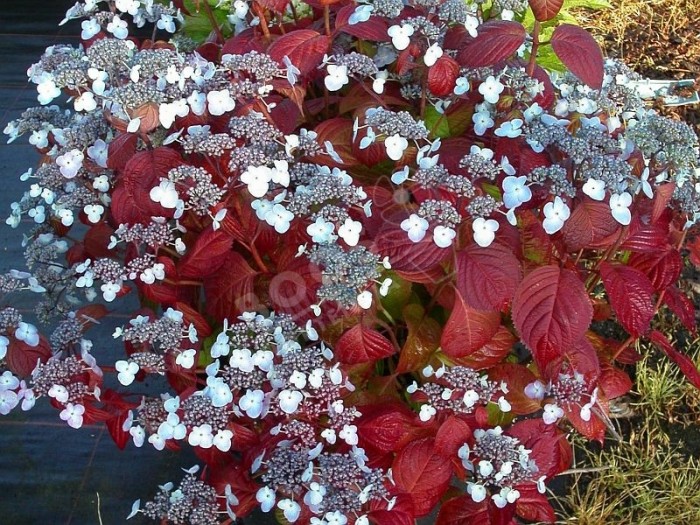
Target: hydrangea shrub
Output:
[{"x": 385, "y": 261}]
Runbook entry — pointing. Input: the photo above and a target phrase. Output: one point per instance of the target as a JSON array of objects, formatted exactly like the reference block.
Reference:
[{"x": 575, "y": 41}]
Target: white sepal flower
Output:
[
  {"x": 595, "y": 189},
  {"x": 266, "y": 497},
  {"x": 337, "y": 77},
  {"x": 491, "y": 89},
  {"x": 364, "y": 300},
  {"x": 186, "y": 359},
  {"x": 395, "y": 146},
  {"x": 252, "y": 403},
  {"x": 289, "y": 400},
  {"x": 219, "y": 102},
  {"x": 619, "y": 204},
  {"x": 400, "y": 35},
  {"x": 432, "y": 54},
  {"x": 515, "y": 191},
  {"x": 89, "y": 28},
  {"x": 28, "y": 333},
  {"x": 118, "y": 27},
  {"x": 201, "y": 436},
  {"x": 73, "y": 415},
  {"x": 416, "y": 227},
  {"x": 127, "y": 371},
  {"x": 552, "y": 413},
  {"x": 350, "y": 231},
  {"x": 165, "y": 194},
  {"x": 70, "y": 163},
  {"x": 484, "y": 231},
  {"x": 222, "y": 440},
  {"x": 258, "y": 179},
  {"x": 443, "y": 236},
  {"x": 556, "y": 213}
]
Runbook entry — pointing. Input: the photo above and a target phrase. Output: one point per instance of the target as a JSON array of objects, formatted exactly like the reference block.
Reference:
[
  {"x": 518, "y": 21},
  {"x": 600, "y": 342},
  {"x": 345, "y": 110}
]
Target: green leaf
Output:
[{"x": 437, "y": 123}]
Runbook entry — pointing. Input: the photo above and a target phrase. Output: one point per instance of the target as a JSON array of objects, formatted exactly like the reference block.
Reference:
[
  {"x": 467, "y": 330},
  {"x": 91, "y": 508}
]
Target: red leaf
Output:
[
  {"x": 662, "y": 196},
  {"x": 21, "y": 358},
  {"x": 694, "y": 247},
  {"x": 467, "y": 329},
  {"x": 487, "y": 277},
  {"x": 406, "y": 255},
  {"x": 614, "y": 382},
  {"x": 464, "y": 511},
  {"x": 548, "y": 446},
  {"x": 190, "y": 315},
  {"x": 495, "y": 42},
  {"x": 681, "y": 306},
  {"x": 533, "y": 506},
  {"x": 630, "y": 294},
  {"x": 293, "y": 288},
  {"x": 452, "y": 434},
  {"x": 663, "y": 267},
  {"x": 442, "y": 76},
  {"x": 491, "y": 353},
  {"x": 551, "y": 312},
  {"x": 646, "y": 238},
  {"x": 361, "y": 345},
  {"x": 683, "y": 361},
  {"x": 374, "y": 29},
  {"x": 545, "y": 9},
  {"x": 114, "y": 426},
  {"x": 400, "y": 514},
  {"x": 385, "y": 427},
  {"x": 304, "y": 47},
  {"x": 595, "y": 428},
  {"x": 206, "y": 256},
  {"x": 579, "y": 52},
  {"x": 423, "y": 473},
  {"x": 120, "y": 150},
  {"x": 244, "y": 42},
  {"x": 517, "y": 377},
  {"x": 230, "y": 291},
  {"x": 131, "y": 200},
  {"x": 278, "y": 6},
  {"x": 96, "y": 240},
  {"x": 588, "y": 225}
]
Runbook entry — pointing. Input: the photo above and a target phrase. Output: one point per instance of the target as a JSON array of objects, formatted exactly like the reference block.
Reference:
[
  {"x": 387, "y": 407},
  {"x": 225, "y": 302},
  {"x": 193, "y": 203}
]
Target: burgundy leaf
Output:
[
  {"x": 304, "y": 47},
  {"x": 487, "y": 277},
  {"x": 579, "y": 52},
  {"x": 463, "y": 511},
  {"x": 467, "y": 330},
  {"x": 589, "y": 224},
  {"x": 684, "y": 362},
  {"x": 630, "y": 294},
  {"x": 663, "y": 267},
  {"x": 406, "y": 255},
  {"x": 491, "y": 353},
  {"x": 551, "y": 312},
  {"x": 495, "y": 42},
  {"x": 229, "y": 292},
  {"x": 21, "y": 358},
  {"x": 207, "y": 255},
  {"x": 442, "y": 76},
  {"x": 681, "y": 305},
  {"x": 545, "y": 9},
  {"x": 362, "y": 345},
  {"x": 422, "y": 472},
  {"x": 374, "y": 29}
]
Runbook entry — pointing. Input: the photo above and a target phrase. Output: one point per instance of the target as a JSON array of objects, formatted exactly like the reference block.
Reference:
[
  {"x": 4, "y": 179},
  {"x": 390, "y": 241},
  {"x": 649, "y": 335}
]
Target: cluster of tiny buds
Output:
[
  {"x": 456, "y": 389},
  {"x": 498, "y": 463},
  {"x": 332, "y": 485},
  {"x": 571, "y": 391},
  {"x": 193, "y": 502}
]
